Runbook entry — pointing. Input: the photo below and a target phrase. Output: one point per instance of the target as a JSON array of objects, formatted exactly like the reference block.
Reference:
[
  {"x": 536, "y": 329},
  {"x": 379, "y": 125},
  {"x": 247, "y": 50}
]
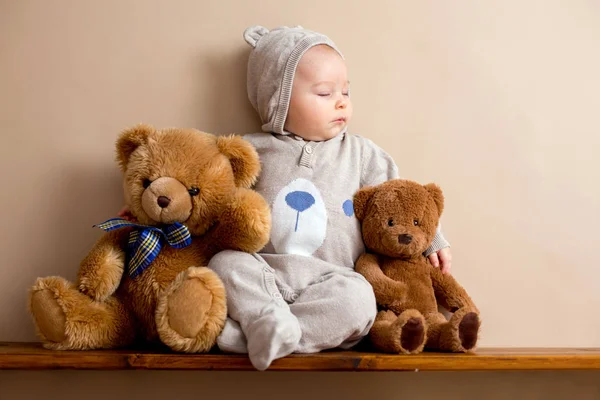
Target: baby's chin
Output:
[{"x": 325, "y": 135}]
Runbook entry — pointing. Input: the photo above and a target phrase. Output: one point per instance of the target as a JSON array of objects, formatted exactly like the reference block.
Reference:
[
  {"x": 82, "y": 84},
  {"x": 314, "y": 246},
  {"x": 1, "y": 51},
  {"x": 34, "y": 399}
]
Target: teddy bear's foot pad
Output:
[
  {"x": 191, "y": 313},
  {"x": 49, "y": 317},
  {"x": 468, "y": 330},
  {"x": 413, "y": 334},
  {"x": 188, "y": 307}
]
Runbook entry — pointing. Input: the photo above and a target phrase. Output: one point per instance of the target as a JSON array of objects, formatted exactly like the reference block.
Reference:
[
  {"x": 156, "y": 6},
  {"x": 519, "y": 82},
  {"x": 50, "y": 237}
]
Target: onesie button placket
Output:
[{"x": 306, "y": 158}]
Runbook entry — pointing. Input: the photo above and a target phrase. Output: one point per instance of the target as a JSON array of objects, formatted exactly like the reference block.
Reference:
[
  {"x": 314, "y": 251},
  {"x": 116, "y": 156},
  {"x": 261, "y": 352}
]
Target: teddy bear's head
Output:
[
  {"x": 183, "y": 175},
  {"x": 399, "y": 217}
]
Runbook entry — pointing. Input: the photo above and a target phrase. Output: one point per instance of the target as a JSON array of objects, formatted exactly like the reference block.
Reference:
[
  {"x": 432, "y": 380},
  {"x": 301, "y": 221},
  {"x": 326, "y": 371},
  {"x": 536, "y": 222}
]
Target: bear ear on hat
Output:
[
  {"x": 243, "y": 158},
  {"x": 253, "y": 34},
  {"x": 437, "y": 195},
  {"x": 129, "y": 140},
  {"x": 361, "y": 201}
]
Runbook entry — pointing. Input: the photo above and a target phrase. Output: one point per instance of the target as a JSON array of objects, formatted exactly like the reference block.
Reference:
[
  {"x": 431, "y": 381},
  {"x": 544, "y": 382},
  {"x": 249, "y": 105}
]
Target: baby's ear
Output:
[
  {"x": 361, "y": 201},
  {"x": 437, "y": 195},
  {"x": 129, "y": 140},
  {"x": 243, "y": 158}
]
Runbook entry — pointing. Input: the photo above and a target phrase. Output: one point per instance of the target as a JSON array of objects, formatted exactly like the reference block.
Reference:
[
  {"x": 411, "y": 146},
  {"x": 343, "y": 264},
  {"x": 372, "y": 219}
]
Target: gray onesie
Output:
[{"x": 301, "y": 294}]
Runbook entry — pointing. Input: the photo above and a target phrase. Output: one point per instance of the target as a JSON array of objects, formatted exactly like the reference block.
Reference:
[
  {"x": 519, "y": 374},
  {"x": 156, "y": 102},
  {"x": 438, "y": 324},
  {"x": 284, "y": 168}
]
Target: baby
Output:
[{"x": 301, "y": 293}]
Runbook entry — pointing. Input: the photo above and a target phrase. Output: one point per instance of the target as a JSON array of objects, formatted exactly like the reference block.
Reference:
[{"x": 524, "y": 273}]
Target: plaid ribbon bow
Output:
[{"x": 145, "y": 242}]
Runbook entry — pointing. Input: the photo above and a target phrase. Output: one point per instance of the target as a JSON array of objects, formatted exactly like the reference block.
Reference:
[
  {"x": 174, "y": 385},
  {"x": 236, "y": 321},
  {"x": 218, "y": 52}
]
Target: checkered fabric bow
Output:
[{"x": 145, "y": 242}]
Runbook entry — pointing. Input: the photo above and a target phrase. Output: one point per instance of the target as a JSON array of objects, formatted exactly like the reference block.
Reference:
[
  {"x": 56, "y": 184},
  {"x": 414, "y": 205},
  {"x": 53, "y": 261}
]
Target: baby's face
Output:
[{"x": 320, "y": 107}]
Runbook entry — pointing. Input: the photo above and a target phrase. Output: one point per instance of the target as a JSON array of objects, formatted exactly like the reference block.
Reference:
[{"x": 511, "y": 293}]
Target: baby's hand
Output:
[
  {"x": 444, "y": 257},
  {"x": 126, "y": 215}
]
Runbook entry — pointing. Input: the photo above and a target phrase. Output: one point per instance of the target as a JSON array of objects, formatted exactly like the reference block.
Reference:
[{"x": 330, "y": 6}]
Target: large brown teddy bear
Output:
[
  {"x": 399, "y": 220},
  {"x": 189, "y": 192}
]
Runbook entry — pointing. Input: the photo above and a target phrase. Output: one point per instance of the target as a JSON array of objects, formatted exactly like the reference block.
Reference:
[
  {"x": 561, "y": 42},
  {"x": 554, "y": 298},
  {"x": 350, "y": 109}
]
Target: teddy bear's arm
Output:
[
  {"x": 448, "y": 292},
  {"x": 246, "y": 223},
  {"x": 388, "y": 292},
  {"x": 101, "y": 270}
]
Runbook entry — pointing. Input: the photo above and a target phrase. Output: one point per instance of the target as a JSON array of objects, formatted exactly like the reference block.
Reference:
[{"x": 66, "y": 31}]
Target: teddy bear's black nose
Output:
[
  {"x": 163, "y": 201},
  {"x": 404, "y": 238}
]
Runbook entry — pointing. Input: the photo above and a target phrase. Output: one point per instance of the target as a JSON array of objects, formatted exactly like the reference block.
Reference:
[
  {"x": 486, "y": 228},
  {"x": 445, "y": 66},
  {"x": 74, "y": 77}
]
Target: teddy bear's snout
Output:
[
  {"x": 405, "y": 238},
  {"x": 167, "y": 200}
]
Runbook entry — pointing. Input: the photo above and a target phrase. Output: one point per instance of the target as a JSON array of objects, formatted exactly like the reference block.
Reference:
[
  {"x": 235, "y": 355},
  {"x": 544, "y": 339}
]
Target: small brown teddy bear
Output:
[
  {"x": 145, "y": 281},
  {"x": 399, "y": 220}
]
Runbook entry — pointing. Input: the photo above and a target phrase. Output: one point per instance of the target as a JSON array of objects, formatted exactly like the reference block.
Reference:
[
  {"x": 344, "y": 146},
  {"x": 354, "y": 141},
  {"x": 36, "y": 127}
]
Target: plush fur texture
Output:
[
  {"x": 399, "y": 220},
  {"x": 171, "y": 175}
]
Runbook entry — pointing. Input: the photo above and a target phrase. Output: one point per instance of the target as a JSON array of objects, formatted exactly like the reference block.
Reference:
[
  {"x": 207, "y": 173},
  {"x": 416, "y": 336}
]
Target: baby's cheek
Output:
[{"x": 349, "y": 111}]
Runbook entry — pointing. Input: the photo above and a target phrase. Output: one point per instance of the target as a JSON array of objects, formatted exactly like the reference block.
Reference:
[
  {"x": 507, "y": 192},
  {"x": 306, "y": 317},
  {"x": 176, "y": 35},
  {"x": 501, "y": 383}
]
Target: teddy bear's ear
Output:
[
  {"x": 438, "y": 197},
  {"x": 361, "y": 201},
  {"x": 243, "y": 158},
  {"x": 130, "y": 140}
]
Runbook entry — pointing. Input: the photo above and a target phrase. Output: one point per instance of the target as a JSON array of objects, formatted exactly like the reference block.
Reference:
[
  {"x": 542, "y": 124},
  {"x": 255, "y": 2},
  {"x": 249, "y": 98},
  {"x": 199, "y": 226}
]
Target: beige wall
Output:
[{"x": 497, "y": 101}]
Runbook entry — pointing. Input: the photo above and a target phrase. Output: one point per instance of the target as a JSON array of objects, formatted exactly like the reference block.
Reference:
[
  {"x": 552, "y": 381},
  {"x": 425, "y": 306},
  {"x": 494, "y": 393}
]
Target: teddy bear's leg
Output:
[
  {"x": 405, "y": 333},
  {"x": 191, "y": 312},
  {"x": 67, "y": 319},
  {"x": 457, "y": 335}
]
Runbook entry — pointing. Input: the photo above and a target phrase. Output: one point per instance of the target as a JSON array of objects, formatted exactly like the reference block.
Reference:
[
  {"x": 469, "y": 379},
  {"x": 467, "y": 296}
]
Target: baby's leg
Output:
[
  {"x": 337, "y": 311},
  {"x": 232, "y": 339},
  {"x": 254, "y": 301}
]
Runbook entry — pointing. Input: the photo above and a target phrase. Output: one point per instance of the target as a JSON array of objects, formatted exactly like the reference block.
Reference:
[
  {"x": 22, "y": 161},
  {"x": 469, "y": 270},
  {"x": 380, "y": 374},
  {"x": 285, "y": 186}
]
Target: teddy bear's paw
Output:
[
  {"x": 413, "y": 335},
  {"x": 468, "y": 331},
  {"x": 412, "y": 331},
  {"x": 48, "y": 315},
  {"x": 67, "y": 319},
  {"x": 103, "y": 276},
  {"x": 191, "y": 312},
  {"x": 461, "y": 333},
  {"x": 252, "y": 218}
]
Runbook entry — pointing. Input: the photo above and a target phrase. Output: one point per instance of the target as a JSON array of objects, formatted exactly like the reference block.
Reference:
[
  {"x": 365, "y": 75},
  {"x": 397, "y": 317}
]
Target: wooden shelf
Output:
[{"x": 32, "y": 356}]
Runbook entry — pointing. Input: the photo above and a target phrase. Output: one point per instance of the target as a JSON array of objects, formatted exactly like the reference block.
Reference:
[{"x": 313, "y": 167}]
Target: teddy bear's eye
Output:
[
  {"x": 146, "y": 183},
  {"x": 390, "y": 222},
  {"x": 194, "y": 191},
  {"x": 416, "y": 222}
]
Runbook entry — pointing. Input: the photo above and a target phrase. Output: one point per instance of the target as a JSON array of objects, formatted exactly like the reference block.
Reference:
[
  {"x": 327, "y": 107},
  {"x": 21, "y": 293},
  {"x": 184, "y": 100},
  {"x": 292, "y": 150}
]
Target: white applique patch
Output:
[{"x": 299, "y": 219}]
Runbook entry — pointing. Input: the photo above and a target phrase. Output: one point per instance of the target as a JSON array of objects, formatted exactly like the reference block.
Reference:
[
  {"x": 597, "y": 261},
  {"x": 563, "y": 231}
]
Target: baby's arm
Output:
[
  {"x": 378, "y": 167},
  {"x": 445, "y": 257}
]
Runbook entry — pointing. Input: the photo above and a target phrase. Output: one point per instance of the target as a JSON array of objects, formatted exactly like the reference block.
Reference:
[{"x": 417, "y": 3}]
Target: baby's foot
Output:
[{"x": 274, "y": 335}]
